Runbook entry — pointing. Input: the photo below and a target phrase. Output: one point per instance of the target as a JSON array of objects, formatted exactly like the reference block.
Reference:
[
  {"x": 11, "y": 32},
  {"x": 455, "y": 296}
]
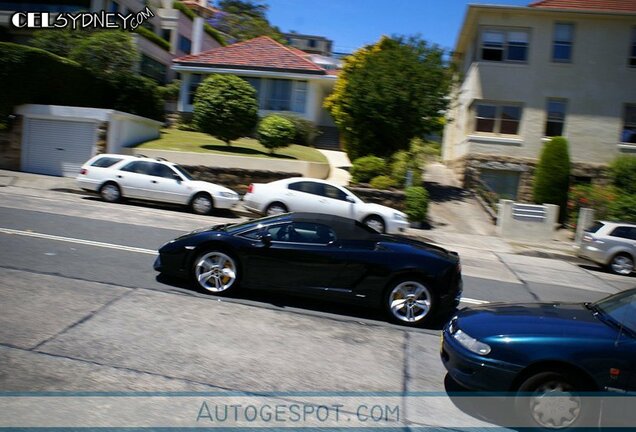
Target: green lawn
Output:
[{"x": 178, "y": 140}]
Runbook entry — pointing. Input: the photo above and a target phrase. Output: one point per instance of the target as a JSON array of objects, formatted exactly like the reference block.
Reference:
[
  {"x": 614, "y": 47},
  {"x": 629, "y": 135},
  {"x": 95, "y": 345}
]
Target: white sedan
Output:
[
  {"x": 115, "y": 176},
  {"x": 302, "y": 194}
]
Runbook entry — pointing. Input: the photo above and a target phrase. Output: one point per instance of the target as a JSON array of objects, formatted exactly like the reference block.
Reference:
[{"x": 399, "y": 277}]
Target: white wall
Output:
[{"x": 125, "y": 130}]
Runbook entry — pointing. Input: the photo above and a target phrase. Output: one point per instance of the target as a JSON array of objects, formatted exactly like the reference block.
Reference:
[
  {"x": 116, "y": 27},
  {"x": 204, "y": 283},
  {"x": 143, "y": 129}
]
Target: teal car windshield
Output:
[{"x": 620, "y": 308}]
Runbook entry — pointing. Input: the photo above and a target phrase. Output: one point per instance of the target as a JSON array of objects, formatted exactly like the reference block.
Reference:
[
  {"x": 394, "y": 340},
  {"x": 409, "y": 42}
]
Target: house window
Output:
[
  {"x": 300, "y": 96},
  {"x": 278, "y": 95},
  {"x": 166, "y": 34},
  {"x": 185, "y": 44},
  {"x": 629, "y": 124},
  {"x": 632, "y": 50},
  {"x": 256, "y": 83},
  {"x": 497, "y": 118},
  {"x": 312, "y": 43},
  {"x": 562, "y": 44},
  {"x": 504, "y": 45},
  {"x": 195, "y": 80},
  {"x": 556, "y": 117},
  {"x": 153, "y": 69}
]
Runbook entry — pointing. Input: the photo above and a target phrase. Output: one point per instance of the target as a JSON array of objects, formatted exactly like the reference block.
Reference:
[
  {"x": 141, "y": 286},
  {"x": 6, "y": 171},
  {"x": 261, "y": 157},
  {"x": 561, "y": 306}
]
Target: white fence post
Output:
[{"x": 586, "y": 217}]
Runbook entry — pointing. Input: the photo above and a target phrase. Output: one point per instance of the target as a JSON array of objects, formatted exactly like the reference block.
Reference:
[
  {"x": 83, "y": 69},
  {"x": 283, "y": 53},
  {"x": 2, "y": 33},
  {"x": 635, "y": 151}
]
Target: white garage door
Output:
[{"x": 57, "y": 147}]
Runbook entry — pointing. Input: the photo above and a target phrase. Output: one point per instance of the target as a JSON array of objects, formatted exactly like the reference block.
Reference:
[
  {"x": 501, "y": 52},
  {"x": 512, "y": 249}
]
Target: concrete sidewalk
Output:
[{"x": 469, "y": 244}]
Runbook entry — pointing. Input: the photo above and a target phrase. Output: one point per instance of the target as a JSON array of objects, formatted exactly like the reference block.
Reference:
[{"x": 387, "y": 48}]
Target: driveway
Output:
[{"x": 453, "y": 209}]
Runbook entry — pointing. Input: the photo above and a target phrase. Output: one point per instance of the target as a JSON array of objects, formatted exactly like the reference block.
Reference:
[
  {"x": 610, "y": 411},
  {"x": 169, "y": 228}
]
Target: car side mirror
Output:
[
  {"x": 350, "y": 199},
  {"x": 266, "y": 239},
  {"x": 177, "y": 178}
]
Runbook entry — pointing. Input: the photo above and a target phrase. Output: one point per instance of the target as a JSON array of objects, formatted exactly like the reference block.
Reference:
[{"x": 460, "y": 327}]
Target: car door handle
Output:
[
  {"x": 119, "y": 176},
  {"x": 153, "y": 181}
]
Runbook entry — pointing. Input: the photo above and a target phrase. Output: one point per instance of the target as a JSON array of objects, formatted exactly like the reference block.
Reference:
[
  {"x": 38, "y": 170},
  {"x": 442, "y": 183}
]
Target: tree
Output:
[
  {"x": 225, "y": 106},
  {"x": 58, "y": 42},
  {"x": 106, "y": 52},
  {"x": 388, "y": 93},
  {"x": 245, "y": 19},
  {"x": 275, "y": 131},
  {"x": 552, "y": 175}
]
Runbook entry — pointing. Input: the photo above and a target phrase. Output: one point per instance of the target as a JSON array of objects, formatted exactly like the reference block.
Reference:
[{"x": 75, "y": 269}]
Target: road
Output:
[{"x": 83, "y": 310}]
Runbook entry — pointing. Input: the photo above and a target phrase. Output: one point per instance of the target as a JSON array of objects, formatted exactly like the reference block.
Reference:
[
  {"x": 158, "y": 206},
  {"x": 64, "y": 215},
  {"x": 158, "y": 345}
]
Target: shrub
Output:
[
  {"x": 552, "y": 175},
  {"x": 623, "y": 208},
  {"x": 365, "y": 168},
  {"x": 54, "y": 80},
  {"x": 135, "y": 94},
  {"x": 401, "y": 163},
  {"x": 416, "y": 203},
  {"x": 623, "y": 173},
  {"x": 596, "y": 197},
  {"x": 382, "y": 182},
  {"x": 106, "y": 52},
  {"x": 225, "y": 106},
  {"x": 170, "y": 91},
  {"x": 275, "y": 131},
  {"x": 51, "y": 80},
  {"x": 306, "y": 130}
]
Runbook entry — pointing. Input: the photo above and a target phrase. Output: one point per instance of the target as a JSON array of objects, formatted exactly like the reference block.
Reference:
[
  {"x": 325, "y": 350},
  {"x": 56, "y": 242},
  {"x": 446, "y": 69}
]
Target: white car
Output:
[
  {"x": 116, "y": 176},
  {"x": 301, "y": 194}
]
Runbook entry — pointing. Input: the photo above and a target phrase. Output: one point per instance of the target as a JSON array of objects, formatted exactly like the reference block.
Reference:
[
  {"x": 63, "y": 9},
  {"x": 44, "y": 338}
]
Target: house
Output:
[
  {"x": 555, "y": 67},
  {"x": 310, "y": 44},
  {"x": 285, "y": 78},
  {"x": 174, "y": 31}
]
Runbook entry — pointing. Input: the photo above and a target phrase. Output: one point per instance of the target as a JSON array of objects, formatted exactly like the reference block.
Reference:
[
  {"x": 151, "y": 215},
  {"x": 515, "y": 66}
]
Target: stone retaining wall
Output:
[
  {"x": 389, "y": 198},
  {"x": 597, "y": 173},
  {"x": 236, "y": 179},
  {"x": 11, "y": 145}
]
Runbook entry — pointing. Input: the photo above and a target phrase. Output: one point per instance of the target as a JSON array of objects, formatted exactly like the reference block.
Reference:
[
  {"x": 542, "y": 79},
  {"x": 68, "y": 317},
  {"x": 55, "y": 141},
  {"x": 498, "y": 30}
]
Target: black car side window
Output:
[{"x": 309, "y": 232}]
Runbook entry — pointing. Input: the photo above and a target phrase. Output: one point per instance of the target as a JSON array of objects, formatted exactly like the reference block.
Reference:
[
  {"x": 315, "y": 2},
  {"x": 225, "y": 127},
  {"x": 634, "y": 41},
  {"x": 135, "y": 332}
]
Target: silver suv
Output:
[{"x": 611, "y": 244}]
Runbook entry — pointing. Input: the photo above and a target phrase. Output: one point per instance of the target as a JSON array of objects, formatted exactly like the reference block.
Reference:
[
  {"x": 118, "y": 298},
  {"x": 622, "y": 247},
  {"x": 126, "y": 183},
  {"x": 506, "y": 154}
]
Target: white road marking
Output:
[
  {"x": 77, "y": 241},
  {"x": 132, "y": 249}
]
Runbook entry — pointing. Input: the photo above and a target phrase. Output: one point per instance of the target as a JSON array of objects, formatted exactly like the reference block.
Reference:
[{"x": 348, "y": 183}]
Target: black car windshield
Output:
[
  {"x": 248, "y": 225},
  {"x": 183, "y": 172},
  {"x": 620, "y": 308}
]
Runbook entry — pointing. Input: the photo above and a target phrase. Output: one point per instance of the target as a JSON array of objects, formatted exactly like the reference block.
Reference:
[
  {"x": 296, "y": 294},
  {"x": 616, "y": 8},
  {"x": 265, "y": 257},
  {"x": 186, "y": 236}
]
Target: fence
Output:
[{"x": 527, "y": 221}]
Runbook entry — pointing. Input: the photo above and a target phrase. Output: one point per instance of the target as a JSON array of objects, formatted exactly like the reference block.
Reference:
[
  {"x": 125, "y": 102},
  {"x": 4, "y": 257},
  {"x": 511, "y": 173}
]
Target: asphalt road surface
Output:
[{"x": 83, "y": 310}]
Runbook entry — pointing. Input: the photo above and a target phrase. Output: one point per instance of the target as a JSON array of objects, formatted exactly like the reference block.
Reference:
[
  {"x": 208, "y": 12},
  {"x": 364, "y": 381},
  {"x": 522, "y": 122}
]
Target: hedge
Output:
[
  {"x": 153, "y": 37},
  {"x": 211, "y": 31},
  {"x": 32, "y": 75},
  {"x": 365, "y": 168}
]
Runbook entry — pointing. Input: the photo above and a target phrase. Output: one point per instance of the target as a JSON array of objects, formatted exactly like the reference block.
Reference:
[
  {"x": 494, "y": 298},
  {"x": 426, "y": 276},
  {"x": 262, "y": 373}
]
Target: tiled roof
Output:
[
  {"x": 261, "y": 53},
  {"x": 598, "y": 5}
]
